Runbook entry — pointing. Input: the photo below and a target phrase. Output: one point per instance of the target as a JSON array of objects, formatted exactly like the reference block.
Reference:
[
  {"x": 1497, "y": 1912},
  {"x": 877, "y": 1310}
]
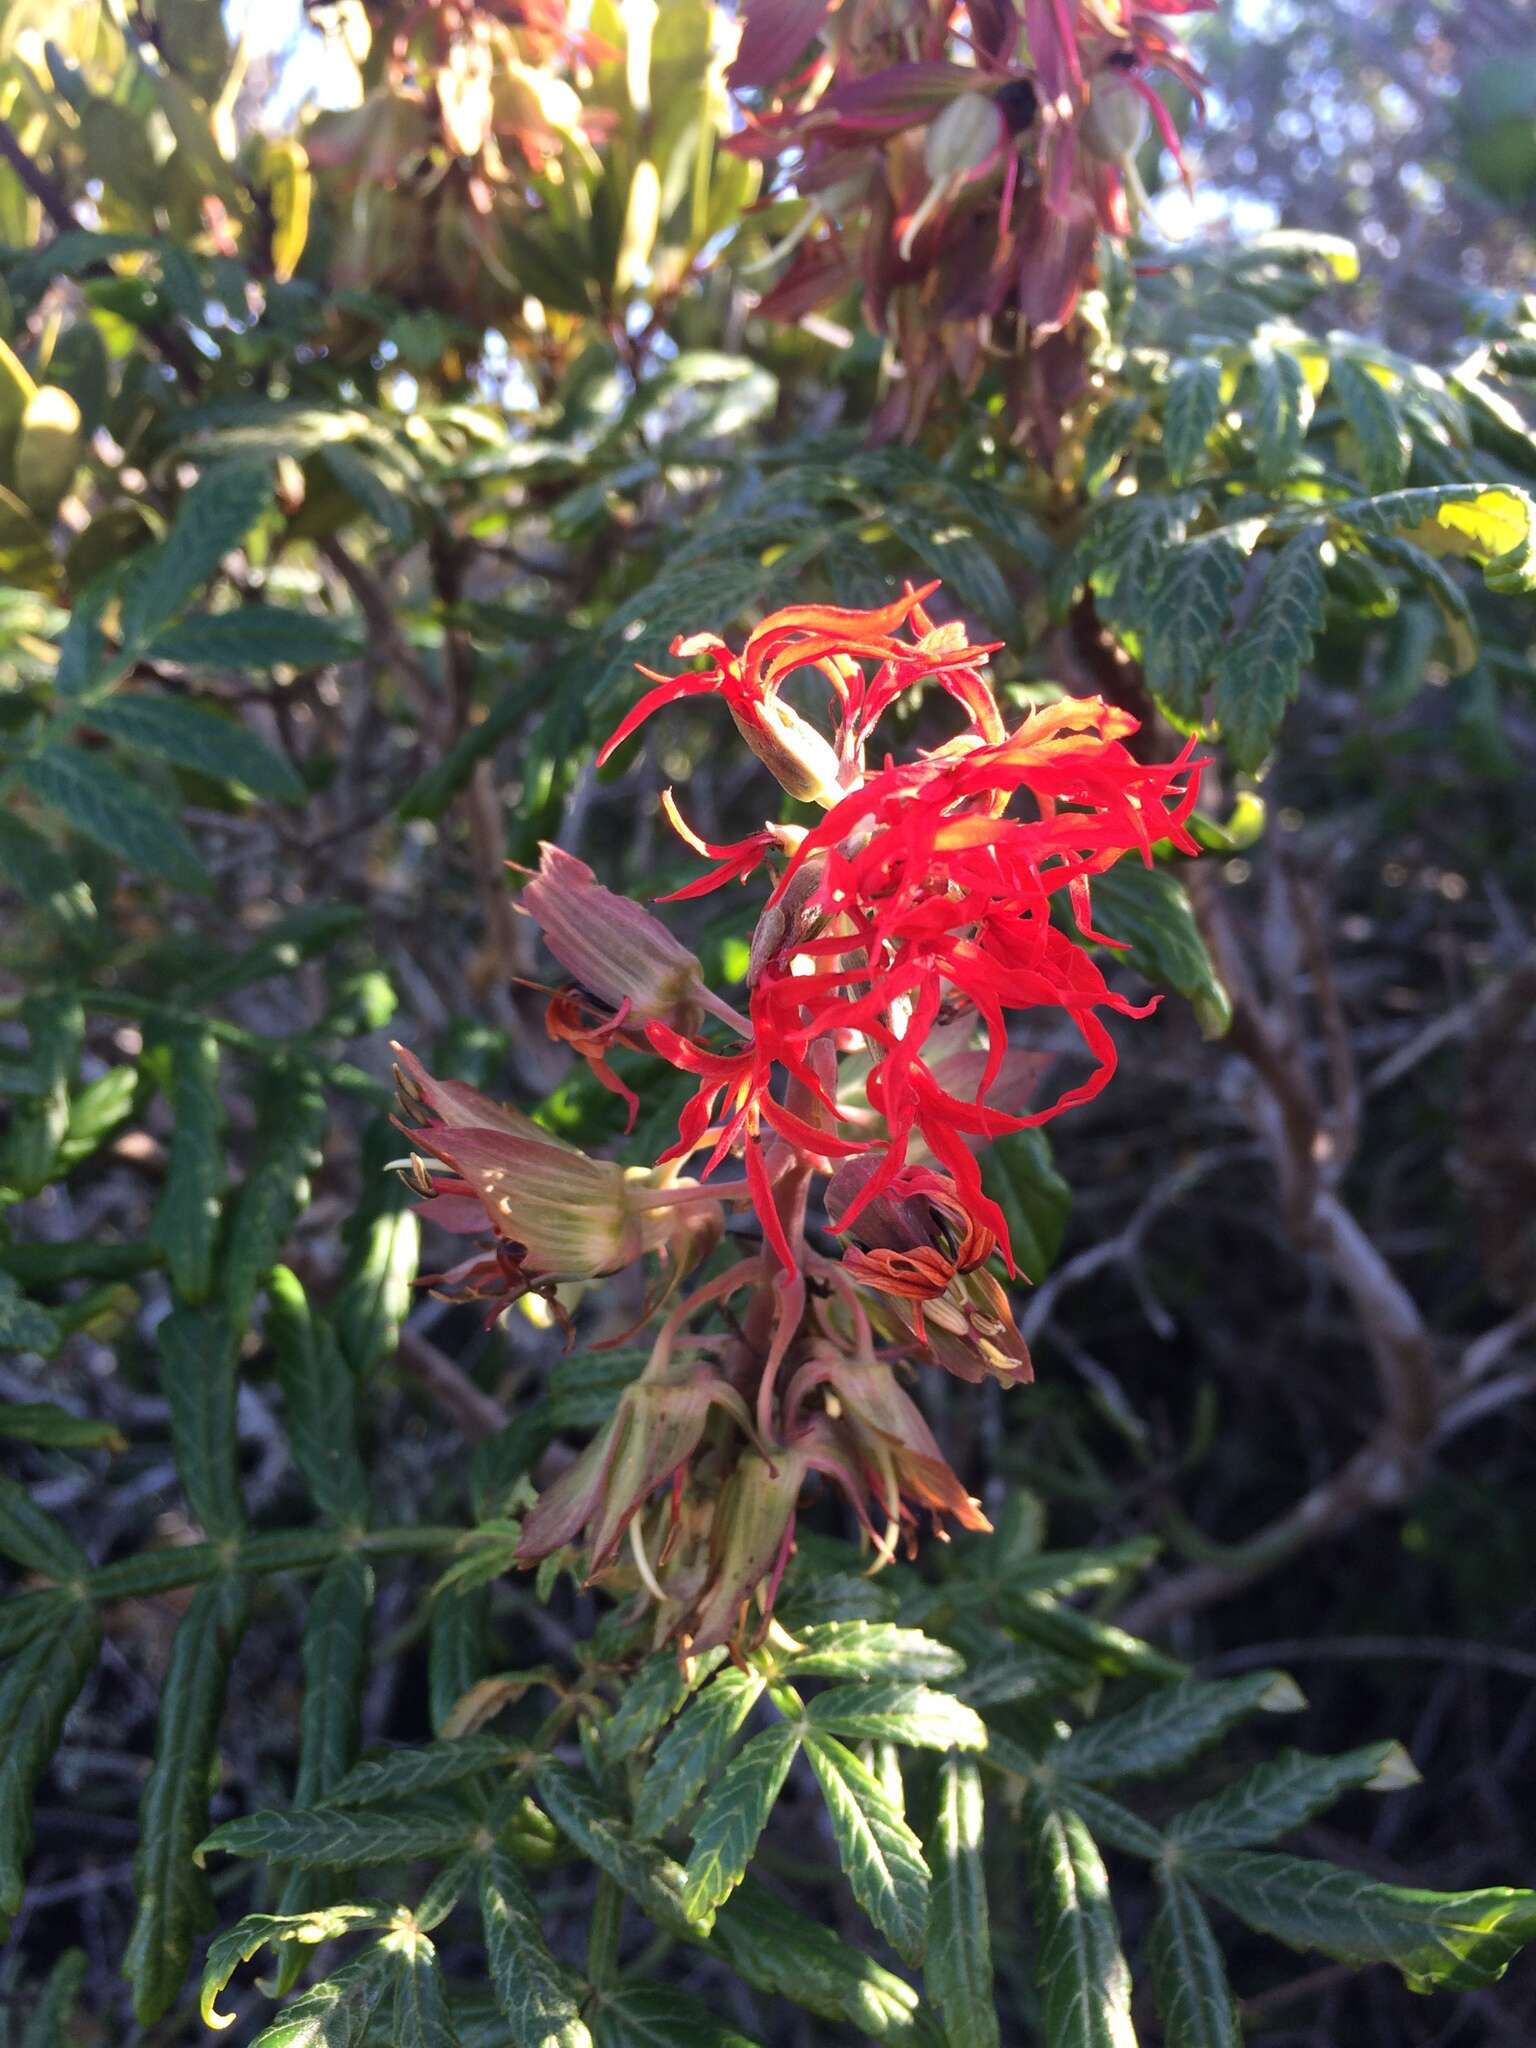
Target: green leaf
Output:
[
  {"x": 383, "y": 1247},
  {"x": 257, "y": 636},
  {"x": 319, "y": 1402},
  {"x": 237, "y": 1945},
  {"x": 1259, "y": 670},
  {"x": 958, "y": 1970},
  {"x": 37, "y": 1690},
  {"x": 199, "y": 1371},
  {"x": 653, "y": 1696},
  {"x": 1095, "y": 1643},
  {"x": 407, "y": 1772},
  {"x": 656, "y": 2016},
  {"x": 1439, "y": 1940},
  {"x": 693, "y": 1750},
  {"x": 43, "y": 878},
  {"x": 1276, "y": 411},
  {"x": 53, "y": 2022},
  {"x": 421, "y": 2015},
  {"x": 97, "y": 798},
  {"x": 881, "y": 1857},
  {"x": 335, "y": 1658},
  {"x": 25, "y": 1325},
  {"x": 651, "y": 1878},
  {"x": 458, "y": 1650},
  {"x": 34, "y": 1540},
  {"x": 871, "y": 1649},
  {"x": 896, "y": 1712},
  {"x": 1170, "y": 1726},
  {"x": 214, "y": 517},
  {"x": 1188, "y": 612},
  {"x": 1019, "y": 1173},
  {"x": 1108, "y": 1821},
  {"x": 1107, "y": 440},
  {"x": 733, "y": 1816},
  {"x": 1189, "y": 419},
  {"x": 172, "y": 1894},
  {"x": 97, "y": 1110},
  {"x": 44, "y": 1422},
  {"x": 1493, "y": 524},
  {"x": 325, "y": 1837},
  {"x": 1188, "y": 1974},
  {"x": 1286, "y": 1791},
  {"x": 191, "y": 737},
  {"x": 187, "y": 1216},
  {"x": 1084, "y": 1985},
  {"x": 1375, "y": 421},
  {"x": 291, "y": 1126},
  {"x": 537, "y": 1995},
  {"x": 786, "y": 1955},
  {"x": 956, "y": 555},
  {"x": 334, "y": 2014},
  {"x": 1149, "y": 910}
]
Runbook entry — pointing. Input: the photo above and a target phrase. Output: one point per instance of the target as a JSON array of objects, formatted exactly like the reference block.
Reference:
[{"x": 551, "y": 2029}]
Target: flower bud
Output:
[
  {"x": 962, "y": 135},
  {"x": 751, "y": 1543},
  {"x": 613, "y": 948},
  {"x": 1115, "y": 123},
  {"x": 800, "y": 760}
]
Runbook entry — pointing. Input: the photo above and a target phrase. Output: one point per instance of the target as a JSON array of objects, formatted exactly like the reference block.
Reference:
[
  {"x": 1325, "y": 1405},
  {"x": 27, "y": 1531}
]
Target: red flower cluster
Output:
[
  {"x": 958, "y": 164},
  {"x": 931, "y": 902}
]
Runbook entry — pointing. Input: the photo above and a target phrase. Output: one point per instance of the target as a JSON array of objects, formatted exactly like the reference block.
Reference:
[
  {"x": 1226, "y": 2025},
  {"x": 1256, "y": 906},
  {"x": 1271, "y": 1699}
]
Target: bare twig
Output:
[{"x": 454, "y": 1392}]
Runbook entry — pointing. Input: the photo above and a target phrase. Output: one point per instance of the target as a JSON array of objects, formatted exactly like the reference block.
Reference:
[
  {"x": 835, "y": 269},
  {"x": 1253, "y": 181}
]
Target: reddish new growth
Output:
[
  {"x": 958, "y": 166},
  {"x": 929, "y": 904}
]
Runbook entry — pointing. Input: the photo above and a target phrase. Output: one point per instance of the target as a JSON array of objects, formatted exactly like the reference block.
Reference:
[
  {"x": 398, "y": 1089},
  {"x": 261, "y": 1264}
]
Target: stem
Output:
[{"x": 717, "y": 1006}]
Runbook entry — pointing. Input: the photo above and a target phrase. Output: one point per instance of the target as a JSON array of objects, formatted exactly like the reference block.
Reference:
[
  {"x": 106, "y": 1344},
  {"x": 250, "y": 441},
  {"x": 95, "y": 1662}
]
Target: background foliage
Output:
[{"x": 347, "y": 466}]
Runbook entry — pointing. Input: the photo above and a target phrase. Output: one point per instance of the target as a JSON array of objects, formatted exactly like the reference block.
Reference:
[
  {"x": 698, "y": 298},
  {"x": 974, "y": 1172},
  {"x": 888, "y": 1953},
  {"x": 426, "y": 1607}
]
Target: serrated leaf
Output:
[
  {"x": 1276, "y": 410},
  {"x": 42, "y": 877},
  {"x": 693, "y": 1750},
  {"x": 1166, "y": 1729},
  {"x": 1259, "y": 670},
  {"x": 969, "y": 574},
  {"x": 958, "y": 1970},
  {"x": 896, "y": 1712},
  {"x": 257, "y": 636},
  {"x": 653, "y": 1696},
  {"x": 408, "y": 1772},
  {"x": 1375, "y": 421},
  {"x": 537, "y": 1995},
  {"x": 733, "y": 1816},
  {"x": 97, "y": 1110},
  {"x": 652, "y": 1879},
  {"x": 1108, "y": 1821},
  {"x": 53, "y": 2021},
  {"x": 1438, "y": 1940},
  {"x": 421, "y": 2017},
  {"x": 199, "y": 1371},
  {"x": 1188, "y": 612},
  {"x": 319, "y": 1402},
  {"x": 1081, "y": 1974},
  {"x": 383, "y": 1244},
  {"x": 656, "y": 2016},
  {"x": 237, "y": 1945},
  {"x": 1188, "y": 1974},
  {"x": 1492, "y": 524},
  {"x": 37, "y": 1690},
  {"x": 44, "y": 1422},
  {"x": 1098, "y": 1644},
  {"x": 1020, "y": 1174},
  {"x": 881, "y": 1857},
  {"x": 326, "y": 1837},
  {"x": 458, "y": 1651},
  {"x": 186, "y": 1219},
  {"x": 214, "y": 517},
  {"x": 34, "y": 1540},
  {"x": 334, "y": 2014},
  {"x": 335, "y": 1660},
  {"x": 96, "y": 798},
  {"x": 872, "y": 1649},
  {"x": 191, "y": 737},
  {"x": 1283, "y": 1793},
  {"x": 1190, "y": 416},
  {"x": 786, "y": 1955},
  {"x": 172, "y": 1893},
  {"x": 1150, "y": 911},
  {"x": 1107, "y": 439},
  {"x": 292, "y": 1123},
  {"x": 25, "y": 1325}
]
